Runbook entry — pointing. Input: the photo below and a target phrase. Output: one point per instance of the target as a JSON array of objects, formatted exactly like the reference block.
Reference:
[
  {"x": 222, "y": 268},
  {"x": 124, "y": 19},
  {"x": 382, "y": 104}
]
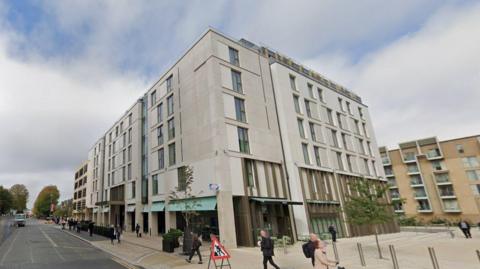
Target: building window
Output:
[
  {"x": 121, "y": 126},
  {"x": 243, "y": 140},
  {"x": 116, "y": 131},
  {"x": 240, "y": 110},
  {"x": 340, "y": 104},
  {"x": 171, "y": 154},
  {"x": 367, "y": 168},
  {"x": 182, "y": 178},
  {"x": 154, "y": 184},
  {"x": 470, "y": 162},
  {"x": 349, "y": 109},
  {"x": 296, "y": 103},
  {"x": 153, "y": 98},
  {"x": 306, "y": 157},
  {"x": 134, "y": 190},
  {"x": 237, "y": 81},
  {"x": 361, "y": 148},
  {"x": 475, "y": 189},
  {"x": 124, "y": 174},
  {"x": 171, "y": 129},
  {"x": 160, "y": 113},
  {"x": 307, "y": 108},
  {"x": 339, "y": 119},
  {"x": 161, "y": 159},
  {"x": 349, "y": 163},
  {"x": 312, "y": 131},
  {"x": 473, "y": 175},
  {"x": 357, "y": 128},
  {"x": 369, "y": 147},
  {"x": 330, "y": 117},
  {"x": 292, "y": 83},
  {"x": 160, "y": 135},
  {"x": 130, "y": 135},
  {"x": 344, "y": 141},
  {"x": 249, "y": 167},
  {"x": 316, "y": 151},
  {"x": 340, "y": 161},
  {"x": 360, "y": 112},
  {"x": 233, "y": 53},
  {"x": 170, "y": 105},
  {"x": 301, "y": 130},
  {"x": 124, "y": 138},
  {"x": 320, "y": 94},
  {"x": 334, "y": 138},
  {"x": 365, "y": 129},
  {"x": 310, "y": 90},
  {"x": 460, "y": 149},
  {"x": 129, "y": 171},
  {"x": 130, "y": 153},
  {"x": 130, "y": 119},
  {"x": 124, "y": 156},
  {"x": 169, "y": 83}
]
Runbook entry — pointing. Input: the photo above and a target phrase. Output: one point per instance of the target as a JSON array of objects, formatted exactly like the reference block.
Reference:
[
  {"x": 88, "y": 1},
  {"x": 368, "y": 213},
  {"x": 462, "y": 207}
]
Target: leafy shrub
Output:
[{"x": 407, "y": 221}]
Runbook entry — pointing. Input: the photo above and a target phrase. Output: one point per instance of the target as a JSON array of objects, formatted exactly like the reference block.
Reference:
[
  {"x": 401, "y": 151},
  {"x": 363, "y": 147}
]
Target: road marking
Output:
[
  {"x": 123, "y": 263},
  {"x": 145, "y": 256},
  {"x": 49, "y": 239},
  {"x": 9, "y": 248}
]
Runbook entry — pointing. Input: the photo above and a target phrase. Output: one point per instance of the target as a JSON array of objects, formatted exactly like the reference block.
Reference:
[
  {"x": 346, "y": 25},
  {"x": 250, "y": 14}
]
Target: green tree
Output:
[
  {"x": 20, "y": 196},
  {"x": 47, "y": 196},
  {"x": 369, "y": 206},
  {"x": 5, "y": 200}
]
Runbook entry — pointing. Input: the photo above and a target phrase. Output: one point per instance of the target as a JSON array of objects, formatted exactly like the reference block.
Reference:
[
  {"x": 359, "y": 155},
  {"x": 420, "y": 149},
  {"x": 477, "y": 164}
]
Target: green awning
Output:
[
  {"x": 274, "y": 201},
  {"x": 194, "y": 204},
  {"x": 158, "y": 206},
  {"x": 319, "y": 202},
  {"x": 131, "y": 208}
]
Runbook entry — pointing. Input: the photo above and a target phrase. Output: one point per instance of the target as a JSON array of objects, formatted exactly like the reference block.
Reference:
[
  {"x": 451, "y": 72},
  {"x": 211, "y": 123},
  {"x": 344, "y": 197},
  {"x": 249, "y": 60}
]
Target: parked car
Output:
[{"x": 20, "y": 220}]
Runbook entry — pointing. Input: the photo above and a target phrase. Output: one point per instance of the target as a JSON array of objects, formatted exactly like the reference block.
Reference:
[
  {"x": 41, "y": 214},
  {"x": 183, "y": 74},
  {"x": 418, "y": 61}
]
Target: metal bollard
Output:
[
  {"x": 433, "y": 257},
  {"x": 335, "y": 251},
  {"x": 393, "y": 253},
  {"x": 360, "y": 253}
]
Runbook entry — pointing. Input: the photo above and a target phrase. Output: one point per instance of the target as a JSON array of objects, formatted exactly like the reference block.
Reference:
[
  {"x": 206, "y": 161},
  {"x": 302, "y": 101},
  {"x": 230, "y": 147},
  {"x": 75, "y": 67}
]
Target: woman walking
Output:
[
  {"x": 196, "y": 243},
  {"x": 321, "y": 260},
  {"x": 266, "y": 246},
  {"x": 112, "y": 233}
]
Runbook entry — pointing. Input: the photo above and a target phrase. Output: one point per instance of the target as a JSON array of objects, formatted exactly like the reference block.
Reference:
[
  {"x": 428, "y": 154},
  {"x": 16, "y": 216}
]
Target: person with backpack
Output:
[
  {"x": 196, "y": 244},
  {"x": 309, "y": 248},
  {"x": 267, "y": 246},
  {"x": 333, "y": 232}
]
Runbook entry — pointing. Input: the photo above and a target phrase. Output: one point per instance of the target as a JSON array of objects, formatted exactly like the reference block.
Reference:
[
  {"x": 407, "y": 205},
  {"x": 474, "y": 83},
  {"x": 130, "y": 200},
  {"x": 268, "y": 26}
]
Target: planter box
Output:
[{"x": 168, "y": 246}]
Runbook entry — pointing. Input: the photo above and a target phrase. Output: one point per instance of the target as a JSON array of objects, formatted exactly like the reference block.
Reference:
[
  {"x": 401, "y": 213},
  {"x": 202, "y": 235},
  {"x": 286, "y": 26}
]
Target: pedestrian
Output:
[
  {"x": 196, "y": 243},
  {"x": 309, "y": 248},
  {"x": 267, "y": 246},
  {"x": 333, "y": 232},
  {"x": 465, "y": 227},
  {"x": 321, "y": 260},
  {"x": 112, "y": 233},
  {"x": 78, "y": 225},
  {"x": 137, "y": 229},
  {"x": 63, "y": 224},
  {"x": 118, "y": 233},
  {"x": 69, "y": 224},
  {"x": 90, "y": 228}
]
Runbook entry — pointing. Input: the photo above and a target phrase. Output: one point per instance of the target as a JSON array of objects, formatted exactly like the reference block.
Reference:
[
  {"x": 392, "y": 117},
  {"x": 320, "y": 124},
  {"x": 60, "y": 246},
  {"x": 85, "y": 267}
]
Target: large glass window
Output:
[
  {"x": 296, "y": 103},
  {"x": 340, "y": 161},
  {"x": 240, "y": 110},
  {"x": 470, "y": 162},
  {"x": 243, "y": 140},
  {"x": 301, "y": 129},
  {"x": 316, "y": 151},
  {"x": 233, "y": 53},
  {"x": 160, "y": 135},
  {"x": 237, "y": 81},
  {"x": 171, "y": 154},
  {"x": 160, "y": 112},
  {"x": 170, "y": 107},
  {"x": 154, "y": 184},
  {"x": 161, "y": 159},
  {"x": 249, "y": 167},
  {"x": 330, "y": 117},
  {"x": 334, "y": 142},
  {"x": 308, "y": 109},
  {"x": 473, "y": 175},
  {"x": 312, "y": 131},
  {"x": 171, "y": 129},
  {"x": 169, "y": 83},
  {"x": 306, "y": 156}
]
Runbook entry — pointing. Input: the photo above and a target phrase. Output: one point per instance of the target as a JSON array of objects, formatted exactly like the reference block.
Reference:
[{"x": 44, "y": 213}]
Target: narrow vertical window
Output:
[
  {"x": 153, "y": 98},
  {"x": 160, "y": 135},
  {"x": 171, "y": 154},
  {"x": 237, "y": 81},
  {"x": 170, "y": 105},
  {"x": 169, "y": 83},
  {"x": 233, "y": 53},
  {"x": 243, "y": 140},
  {"x": 301, "y": 129},
  {"x": 293, "y": 85},
  {"x": 171, "y": 129},
  {"x": 160, "y": 113},
  {"x": 306, "y": 158},
  {"x": 240, "y": 110},
  {"x": 161, "y": 159}
]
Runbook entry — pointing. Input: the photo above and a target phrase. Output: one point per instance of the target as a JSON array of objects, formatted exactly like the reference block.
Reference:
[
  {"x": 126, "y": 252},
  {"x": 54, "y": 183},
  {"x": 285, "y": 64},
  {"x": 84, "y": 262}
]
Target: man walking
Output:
[
  {"x": 465, "y": 227},
  {"x": 90, "y": 228},
  {"x": 309, "y": 248},
  {"x": 195, "y": 249},
  {"x": 137, "y": 229},
  {"x": 266, "y": 246},
  {"x": 333, "y": 231}
]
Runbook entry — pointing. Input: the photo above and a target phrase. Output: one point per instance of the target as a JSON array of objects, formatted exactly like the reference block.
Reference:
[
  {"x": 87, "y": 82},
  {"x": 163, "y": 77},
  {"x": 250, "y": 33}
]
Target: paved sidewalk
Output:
[{"x": 411, "y": 248}]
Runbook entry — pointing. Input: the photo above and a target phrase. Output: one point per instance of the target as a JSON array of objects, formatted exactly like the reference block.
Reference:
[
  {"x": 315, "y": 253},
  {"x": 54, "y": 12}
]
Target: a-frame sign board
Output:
[{"x": 218, "y": 252}]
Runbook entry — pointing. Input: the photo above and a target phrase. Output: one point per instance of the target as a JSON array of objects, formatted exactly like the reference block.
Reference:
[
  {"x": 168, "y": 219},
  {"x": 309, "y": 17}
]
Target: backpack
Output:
[{"x": 306, "y": 250}]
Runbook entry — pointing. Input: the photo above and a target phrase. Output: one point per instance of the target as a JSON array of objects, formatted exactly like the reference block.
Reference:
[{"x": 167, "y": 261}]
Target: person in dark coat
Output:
[
  {"x": 333, "y": 232},
  {"x": 196, "y": 243},
  {"x": 118, "y": 233},
  {"x": 137, "y": 229},
  {"x": 90, "y": 228},
  {"x": 310, "y": 247},
  {"x": 111, "y": 232},
  {"x": 266, "y": 246},
  {"x": 465, "y": 227}
]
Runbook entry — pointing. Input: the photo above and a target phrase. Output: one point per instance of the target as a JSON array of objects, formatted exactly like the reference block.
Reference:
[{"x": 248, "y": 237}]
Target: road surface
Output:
[{"x": 43, "y": 246}]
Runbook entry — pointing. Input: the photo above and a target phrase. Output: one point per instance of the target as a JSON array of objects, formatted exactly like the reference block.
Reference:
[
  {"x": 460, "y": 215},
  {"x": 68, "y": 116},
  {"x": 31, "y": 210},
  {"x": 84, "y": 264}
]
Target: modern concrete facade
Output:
[
  {"x": 436, "y": 179},
  {"x": 227, "y": 110},
  {"x": 82, "y": 210}
]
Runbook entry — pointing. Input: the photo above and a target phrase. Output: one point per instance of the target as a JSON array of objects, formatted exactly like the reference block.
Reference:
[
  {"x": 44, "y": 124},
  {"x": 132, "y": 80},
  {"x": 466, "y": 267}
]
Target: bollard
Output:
[
  {"x": 335, "y": 251},
  {"x": 478, "y": 254},
  {"x": 360, "y": 253},
  {"x": 433, "y": 257},
  {"x": 394, "y": 256}
]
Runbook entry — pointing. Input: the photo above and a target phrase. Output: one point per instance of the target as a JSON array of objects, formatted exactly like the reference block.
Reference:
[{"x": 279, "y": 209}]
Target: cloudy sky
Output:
[{"x": 68, "y": 69}]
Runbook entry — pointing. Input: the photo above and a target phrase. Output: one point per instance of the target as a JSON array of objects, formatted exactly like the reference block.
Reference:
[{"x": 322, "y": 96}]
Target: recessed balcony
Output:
[{"x": 434, "y": 154}]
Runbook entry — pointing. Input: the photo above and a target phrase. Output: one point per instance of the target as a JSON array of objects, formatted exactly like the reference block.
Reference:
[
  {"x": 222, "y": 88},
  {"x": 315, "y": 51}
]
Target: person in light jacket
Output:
[{"x": 321, "y": 260}]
